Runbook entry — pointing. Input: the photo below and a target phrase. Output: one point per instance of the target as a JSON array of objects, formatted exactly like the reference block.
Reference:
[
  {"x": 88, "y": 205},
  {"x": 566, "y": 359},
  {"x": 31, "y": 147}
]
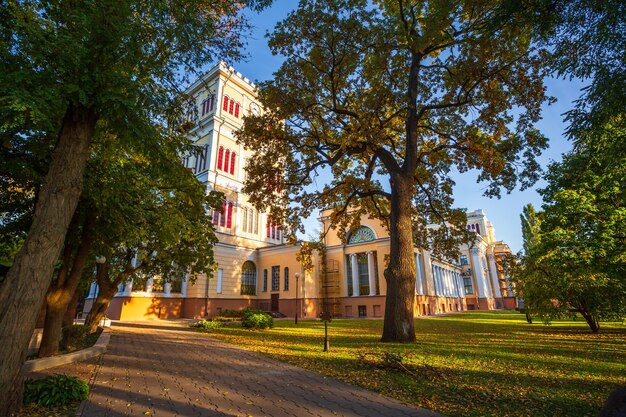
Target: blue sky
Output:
[{"x": 504, "y": 212}]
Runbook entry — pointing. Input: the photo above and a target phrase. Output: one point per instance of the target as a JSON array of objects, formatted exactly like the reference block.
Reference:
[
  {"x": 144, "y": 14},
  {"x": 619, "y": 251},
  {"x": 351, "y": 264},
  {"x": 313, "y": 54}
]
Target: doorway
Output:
[{"x": 274, "y": 304}]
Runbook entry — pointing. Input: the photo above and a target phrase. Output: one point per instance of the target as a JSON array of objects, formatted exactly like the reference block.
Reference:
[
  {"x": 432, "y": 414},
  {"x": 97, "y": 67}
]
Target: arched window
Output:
[
  {"x": 226, "y": 160},
  {"x": 225, "y": 103},
  {"x": 229, "y": 219},
  {"x": 233, "y": 156},
  {"x": 231, "y": 107},
  {"x": 248, "y": 278},
  {"x": 362, "y": 234},
  {"x": 286, "y": 277},
  {"x": 220, "y": 157},
  {"x": 223, "y": 216},
  {"x": 237, "y": 110},
  {"x": 478, "y": 228}
]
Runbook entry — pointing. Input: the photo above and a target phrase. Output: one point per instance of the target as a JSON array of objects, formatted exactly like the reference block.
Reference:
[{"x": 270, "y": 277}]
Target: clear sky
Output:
[{"x": 504, "y": 212}]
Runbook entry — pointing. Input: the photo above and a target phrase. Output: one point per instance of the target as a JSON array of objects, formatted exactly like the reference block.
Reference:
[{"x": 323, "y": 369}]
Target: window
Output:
[
  {"x": 275, "y": 278},
  {"x": 362, "y": 311},
  {"x": 467, "y": 282},
  {"x": 265, "y": 280},
  {"x": 286, "y": 278},
  {"x": 202, "y": 155},
  {"x": 244, "y": 215},
  {"x": 463, "y": 260},
  {"x": 229, "y": 218},
  {"x": 226, "y": 160},
  {"x": 362, "y": 234},
  {"x": 220, "y": 277},
  {"x": 248, "y": 278},
  {"x": 233, "y": 156},
  {"x": 223, "y": 215},
  {"x": 231, "y": 106},
  {"x": 478, "y": 228},
  {"x": 272, "y": 229},
  {"x": 220, "y": 157},
  {"x": 207, "y": 104}
]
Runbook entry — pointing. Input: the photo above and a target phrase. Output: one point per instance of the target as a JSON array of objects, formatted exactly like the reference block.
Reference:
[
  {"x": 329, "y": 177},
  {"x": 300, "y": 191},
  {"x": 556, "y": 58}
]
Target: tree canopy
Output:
[
  {"x": 68, "y": 69},
  {"x": 390, "y": 97}
]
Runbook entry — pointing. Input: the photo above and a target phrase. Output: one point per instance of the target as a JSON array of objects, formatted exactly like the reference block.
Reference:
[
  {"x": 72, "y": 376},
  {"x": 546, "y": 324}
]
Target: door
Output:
[{"x": 274, "y": 305}]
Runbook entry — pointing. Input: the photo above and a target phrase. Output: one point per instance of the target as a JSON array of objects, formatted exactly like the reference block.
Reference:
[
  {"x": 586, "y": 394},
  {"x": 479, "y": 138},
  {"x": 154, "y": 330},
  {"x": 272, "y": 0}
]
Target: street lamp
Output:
[{"x": 297, "y": 275}]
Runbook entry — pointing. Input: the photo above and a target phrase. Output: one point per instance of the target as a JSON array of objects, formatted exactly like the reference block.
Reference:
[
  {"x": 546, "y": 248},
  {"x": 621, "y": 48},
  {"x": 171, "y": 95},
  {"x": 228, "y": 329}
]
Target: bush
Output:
[
  {"x": 72, "y": 337},
  {"x": 257, "y": 320},
  {"x": 55, "y": 390},
  {"x": 231, "y": 313},
  {"x": 207, "y": 324}
]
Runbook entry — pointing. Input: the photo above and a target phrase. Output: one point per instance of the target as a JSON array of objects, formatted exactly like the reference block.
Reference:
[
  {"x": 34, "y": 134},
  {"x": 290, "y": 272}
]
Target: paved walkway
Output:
[{"x": 160, "y": 368}]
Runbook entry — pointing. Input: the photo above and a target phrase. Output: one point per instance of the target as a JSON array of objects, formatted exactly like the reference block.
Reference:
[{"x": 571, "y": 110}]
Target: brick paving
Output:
[{"x": 160, "y": 368}]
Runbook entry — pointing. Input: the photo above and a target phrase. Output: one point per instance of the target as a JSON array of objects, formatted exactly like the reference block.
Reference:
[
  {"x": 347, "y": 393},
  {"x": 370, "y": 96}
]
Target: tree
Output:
[
  {"x": 67, "y": 67},
  {"x": 576, "y": 261},
  {"x": 153, "y": 219},
  {"x": 397, "y": 91}
]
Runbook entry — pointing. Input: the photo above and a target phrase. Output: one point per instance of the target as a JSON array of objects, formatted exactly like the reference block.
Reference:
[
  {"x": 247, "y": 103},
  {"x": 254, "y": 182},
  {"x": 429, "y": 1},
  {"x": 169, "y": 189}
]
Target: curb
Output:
[{"x": 44, "y": 363}]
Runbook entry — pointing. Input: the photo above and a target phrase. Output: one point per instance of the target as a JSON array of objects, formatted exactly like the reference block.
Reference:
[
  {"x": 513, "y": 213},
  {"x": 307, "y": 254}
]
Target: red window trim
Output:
[
  {"x": 229, "y": 220},
  {"x": 233, "y": 156},
  {"x": 220, "y": 157},
  {"x": 225, "y": 107},
  {"x": 226, "y": 159}
]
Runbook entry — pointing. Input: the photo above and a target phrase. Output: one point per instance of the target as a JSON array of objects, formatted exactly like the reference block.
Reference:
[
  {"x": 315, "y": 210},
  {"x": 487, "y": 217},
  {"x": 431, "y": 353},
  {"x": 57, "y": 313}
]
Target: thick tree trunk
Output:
[
  {"x": 70, "y": 312},
  {"x": 22, "y": 292},
  {"x": 399, "y": 325},
  {"x": 62, "y": 290}
]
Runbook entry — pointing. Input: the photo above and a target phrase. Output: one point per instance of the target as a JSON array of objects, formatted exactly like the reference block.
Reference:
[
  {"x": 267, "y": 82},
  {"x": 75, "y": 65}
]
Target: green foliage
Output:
[
  {"x": 397, "y": 98},
  {"x": 72, "y": 336},
  {"x": 207, "y": 324},
  {"x": 77, "y": 337},
  {"x": 55, "y": 390},
  {"x": 575, "y": 259},
  {"x": 257, "y": 320},
  {"x": 231, "y": 313}
]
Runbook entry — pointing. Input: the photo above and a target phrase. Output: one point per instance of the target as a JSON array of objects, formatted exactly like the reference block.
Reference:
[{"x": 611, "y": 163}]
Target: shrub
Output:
[
  {"x": 72, "y": 337},
  {"x": 255, "y": 320},
  {"x": 55, "y": 390},
  {"x": 231, "y": 313},
  {"x": 207, "y": 324}
]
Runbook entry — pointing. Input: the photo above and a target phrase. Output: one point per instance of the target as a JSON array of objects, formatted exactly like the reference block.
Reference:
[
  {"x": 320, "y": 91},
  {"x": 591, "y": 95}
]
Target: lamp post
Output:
[{"x": 297, "y": 275}]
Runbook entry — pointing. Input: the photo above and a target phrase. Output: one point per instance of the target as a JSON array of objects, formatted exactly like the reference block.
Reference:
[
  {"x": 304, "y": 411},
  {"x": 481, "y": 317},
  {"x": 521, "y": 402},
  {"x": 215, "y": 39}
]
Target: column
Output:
[
  {"x": 481, "y": 290},
  {"x": 419, "y": 279},
  {"x": 371, "y": 272},
  {"x": 167, "y": 289},
  {"x": 493, "y": 269},
  {"x": 183, "y": 287},
  {"x": 355, "y": 275},
  {"x": 128, "y": 288},
  {"x": 149, "y": 284}
]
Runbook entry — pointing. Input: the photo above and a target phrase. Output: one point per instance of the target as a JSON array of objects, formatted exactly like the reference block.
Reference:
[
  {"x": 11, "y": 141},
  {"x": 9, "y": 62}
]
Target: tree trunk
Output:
[
  {"x": 63, "y": 289},
  {"x": 22, "y": 292},
  {"x": 70, "y": 313},
  {"x": 106, "y": 292},
  {"x": 399, "y": 325},
  {"x": 594, "y": 325}
]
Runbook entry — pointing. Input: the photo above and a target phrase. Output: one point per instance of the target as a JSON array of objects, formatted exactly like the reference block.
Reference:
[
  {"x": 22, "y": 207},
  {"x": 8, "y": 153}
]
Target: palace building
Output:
[{"x": 255, "y": 268}]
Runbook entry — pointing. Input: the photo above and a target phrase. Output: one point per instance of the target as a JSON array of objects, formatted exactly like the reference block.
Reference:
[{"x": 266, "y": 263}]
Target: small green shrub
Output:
[
  {"x": 254, "y": 320},
  {"x": 231, "y": 313},
  {"x": 207, "y": 324},
  {"x": 55, "y": 390},
  {"x": 72, "y": 337},
  {"x": 227, "y": 319}
]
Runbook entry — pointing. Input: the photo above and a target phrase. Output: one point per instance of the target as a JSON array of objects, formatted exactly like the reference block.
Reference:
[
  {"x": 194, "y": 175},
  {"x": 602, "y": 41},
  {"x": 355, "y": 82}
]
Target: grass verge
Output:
[{"x": 472, "y": 364}]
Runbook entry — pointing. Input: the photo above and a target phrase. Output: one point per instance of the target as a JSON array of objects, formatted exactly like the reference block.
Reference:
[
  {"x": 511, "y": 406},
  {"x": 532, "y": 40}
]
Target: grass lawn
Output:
[{"x": 472, "y": 364}]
